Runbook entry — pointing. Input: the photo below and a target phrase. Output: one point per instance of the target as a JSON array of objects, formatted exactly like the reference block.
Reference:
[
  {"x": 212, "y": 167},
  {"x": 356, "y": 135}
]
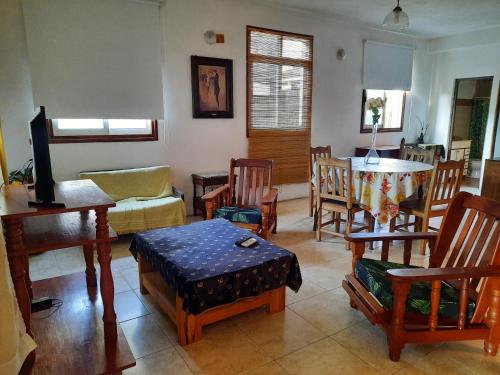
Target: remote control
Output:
[{"x": 247, "y": 242}]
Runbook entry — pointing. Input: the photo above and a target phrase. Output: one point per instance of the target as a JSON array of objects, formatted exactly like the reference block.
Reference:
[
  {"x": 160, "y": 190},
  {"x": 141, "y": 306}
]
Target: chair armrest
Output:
[
  {"x": 270, "y": 197},
  {"x": 177, "y": 193},
  {"x": 365, "y": 237},
  {"x": 450, "y": 273},
  {"x": 211, "y": 195}
]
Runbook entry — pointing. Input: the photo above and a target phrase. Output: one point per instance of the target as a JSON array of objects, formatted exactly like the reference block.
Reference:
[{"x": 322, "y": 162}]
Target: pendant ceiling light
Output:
[{"x": 397, "y": 19}]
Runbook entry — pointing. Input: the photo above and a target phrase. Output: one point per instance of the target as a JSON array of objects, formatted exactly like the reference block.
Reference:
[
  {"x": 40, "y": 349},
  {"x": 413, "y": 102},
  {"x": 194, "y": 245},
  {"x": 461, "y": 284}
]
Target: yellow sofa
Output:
[{"x": 145, "y": 198}]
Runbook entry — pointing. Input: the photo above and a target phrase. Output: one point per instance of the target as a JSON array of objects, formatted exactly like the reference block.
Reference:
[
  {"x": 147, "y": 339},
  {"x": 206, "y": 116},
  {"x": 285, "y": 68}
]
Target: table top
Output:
[
  {"x": 210, "y": 174},
  {"x": 78, "y": 195},
  {"x": 381, "y": 148},
  {"x": 389, "y": 165}
]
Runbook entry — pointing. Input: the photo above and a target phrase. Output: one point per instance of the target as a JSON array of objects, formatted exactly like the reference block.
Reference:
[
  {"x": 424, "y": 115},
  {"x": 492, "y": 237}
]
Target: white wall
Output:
[
  {"x": 193, "y": 145},
  {"x": 16, "y": 100},
  {"x": 474, "y": 54}
]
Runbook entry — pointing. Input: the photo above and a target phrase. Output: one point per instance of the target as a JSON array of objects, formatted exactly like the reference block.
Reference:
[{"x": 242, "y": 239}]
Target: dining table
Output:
[{"x": 379, "y": 188}]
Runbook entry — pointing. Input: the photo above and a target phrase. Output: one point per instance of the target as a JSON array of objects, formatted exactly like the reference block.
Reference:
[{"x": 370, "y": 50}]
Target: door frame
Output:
[
  {"x": 453, "y": 105},
  {"x": 495, "y": 125}
]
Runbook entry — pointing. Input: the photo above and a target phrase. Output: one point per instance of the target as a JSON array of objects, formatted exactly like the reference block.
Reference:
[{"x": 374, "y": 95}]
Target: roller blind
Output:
[
  {"x": 387, "y": 66},
  {"x": 95, "y": 58},
  {"x": 279, "y": 92},
  {"x": 280, "y": 79}
]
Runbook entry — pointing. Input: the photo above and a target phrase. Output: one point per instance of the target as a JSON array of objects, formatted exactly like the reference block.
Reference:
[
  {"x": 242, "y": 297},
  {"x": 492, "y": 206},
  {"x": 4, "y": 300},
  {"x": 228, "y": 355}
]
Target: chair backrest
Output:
[
  {"x": 418, "y": 154},
  {"x": 445, "y": 182},
  {"x": 334, "y": 180},
  {"x": 315, "y": 153},
  {"x": 250, "y": 181},
  {"x": 470, "y": 237}
]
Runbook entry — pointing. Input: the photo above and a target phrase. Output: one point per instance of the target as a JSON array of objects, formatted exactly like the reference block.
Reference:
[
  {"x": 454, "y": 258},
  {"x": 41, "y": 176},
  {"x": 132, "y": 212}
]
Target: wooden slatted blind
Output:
[{"x": 279, "y": 91}]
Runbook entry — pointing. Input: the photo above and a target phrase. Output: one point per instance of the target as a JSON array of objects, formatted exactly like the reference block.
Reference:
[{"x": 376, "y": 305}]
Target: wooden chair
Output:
[
  {"x": 249, "y": 200},
  {"x": 334, "y": 195},
  {"x": 314, "y": 154},
  {"x": 456, "y": 298},
  {"x": 445, "y": 183},
  {"x": 418, "y": 154}
]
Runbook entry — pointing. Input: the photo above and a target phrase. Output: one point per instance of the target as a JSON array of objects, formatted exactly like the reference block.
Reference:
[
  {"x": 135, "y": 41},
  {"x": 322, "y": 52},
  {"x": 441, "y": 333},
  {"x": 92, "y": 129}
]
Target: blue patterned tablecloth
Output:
[{"x": 202, "y": 264}]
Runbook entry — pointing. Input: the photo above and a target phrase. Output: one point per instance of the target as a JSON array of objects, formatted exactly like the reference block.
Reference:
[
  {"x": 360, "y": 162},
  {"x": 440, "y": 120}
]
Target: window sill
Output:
[{"x": 54, "y": 139}]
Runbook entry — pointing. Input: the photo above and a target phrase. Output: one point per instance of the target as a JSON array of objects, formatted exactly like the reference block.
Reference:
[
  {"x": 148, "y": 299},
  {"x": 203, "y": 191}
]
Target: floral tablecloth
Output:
[{"x": 379, "y": 188}]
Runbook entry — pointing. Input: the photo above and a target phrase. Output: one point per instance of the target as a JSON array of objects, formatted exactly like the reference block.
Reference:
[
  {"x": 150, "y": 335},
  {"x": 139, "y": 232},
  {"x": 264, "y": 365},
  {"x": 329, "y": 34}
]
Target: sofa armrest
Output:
[{"x": 177, "y": 193}]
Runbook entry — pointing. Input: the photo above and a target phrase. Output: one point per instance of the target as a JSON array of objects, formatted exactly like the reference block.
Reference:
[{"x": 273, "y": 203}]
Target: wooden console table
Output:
[
  {"x": 205, "y": 180},
  {"x": 82, "y": 222},
  {"x": 391, "y": 152}
]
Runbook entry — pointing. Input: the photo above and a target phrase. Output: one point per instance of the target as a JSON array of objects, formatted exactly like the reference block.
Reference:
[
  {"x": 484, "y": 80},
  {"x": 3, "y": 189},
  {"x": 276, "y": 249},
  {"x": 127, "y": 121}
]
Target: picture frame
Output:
[{"x": 212, "y": 87}]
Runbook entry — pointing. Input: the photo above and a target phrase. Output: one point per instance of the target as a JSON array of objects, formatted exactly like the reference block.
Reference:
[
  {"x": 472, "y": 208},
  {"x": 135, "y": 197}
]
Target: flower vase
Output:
[{"x": 372, "y": 157}]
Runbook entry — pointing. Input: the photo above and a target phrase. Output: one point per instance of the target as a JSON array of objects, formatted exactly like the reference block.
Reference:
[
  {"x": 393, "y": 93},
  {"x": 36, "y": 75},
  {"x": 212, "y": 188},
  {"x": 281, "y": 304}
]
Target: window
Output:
[
  {"x": 101, "y": 130},
  {"x": 279, "y": 91},
  {"x": 391, "y": 116}
]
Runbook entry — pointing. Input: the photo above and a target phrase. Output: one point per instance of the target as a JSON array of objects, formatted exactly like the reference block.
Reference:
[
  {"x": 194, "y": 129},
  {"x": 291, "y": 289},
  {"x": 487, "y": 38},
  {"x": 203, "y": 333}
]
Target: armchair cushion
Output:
[
  {"x": 239, "y": 215},
  {"x": 372, "y": 272}
]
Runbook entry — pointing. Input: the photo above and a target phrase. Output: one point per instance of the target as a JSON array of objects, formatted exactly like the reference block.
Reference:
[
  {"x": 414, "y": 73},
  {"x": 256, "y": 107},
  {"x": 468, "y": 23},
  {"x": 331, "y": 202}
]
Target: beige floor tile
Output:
[
  {"x": 371, "y": 344},
  {"x": 436, "y": 363},
  {"x": 277, "y": 334},
  {"x": 325, "y": 357},
  {"x": 270, "y": 369},
  {"x": 308, "y": 289},
  {"x": 144, "y": 336},
  {"x": 131, "y": 276},
  {"x": 223, "y": 350},
  {"x": 329, "y": 312},
  {"x": 129, "y": 306},
  {"x": 164, "y": 362}
]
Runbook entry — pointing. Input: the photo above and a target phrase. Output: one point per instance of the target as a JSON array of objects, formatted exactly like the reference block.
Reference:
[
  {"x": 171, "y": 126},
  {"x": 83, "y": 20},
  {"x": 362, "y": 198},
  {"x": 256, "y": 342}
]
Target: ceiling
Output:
[{"x": 428, "y": 18}]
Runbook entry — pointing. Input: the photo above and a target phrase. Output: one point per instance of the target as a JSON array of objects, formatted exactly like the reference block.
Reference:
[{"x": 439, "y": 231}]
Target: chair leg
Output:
[
  {"x": 493, "y": 321},
  {"x": 348, "y": 229},
  {"x": 371, "y": 227},
  {"x": 392, "y": 224},
  {"x": 318, "y": 223},
  {"x": 311, "y": 202},
  {"x": 337, "y": 221},
  {"x": 424, "y": 228}
]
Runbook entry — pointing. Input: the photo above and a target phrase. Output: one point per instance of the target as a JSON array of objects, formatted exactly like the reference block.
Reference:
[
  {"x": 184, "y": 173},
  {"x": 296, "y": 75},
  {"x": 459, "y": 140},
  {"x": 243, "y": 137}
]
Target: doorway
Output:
[{"x": 468, "y": 124}]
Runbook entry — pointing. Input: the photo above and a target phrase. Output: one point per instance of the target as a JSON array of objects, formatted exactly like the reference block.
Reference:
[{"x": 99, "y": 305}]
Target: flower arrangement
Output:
[
  {"x": 374, "y": 105},
  {"x": 423, "y": 129}
]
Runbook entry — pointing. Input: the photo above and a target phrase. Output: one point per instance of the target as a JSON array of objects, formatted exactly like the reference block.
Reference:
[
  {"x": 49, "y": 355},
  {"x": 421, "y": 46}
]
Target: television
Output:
[{"x": 44, "y": 184}]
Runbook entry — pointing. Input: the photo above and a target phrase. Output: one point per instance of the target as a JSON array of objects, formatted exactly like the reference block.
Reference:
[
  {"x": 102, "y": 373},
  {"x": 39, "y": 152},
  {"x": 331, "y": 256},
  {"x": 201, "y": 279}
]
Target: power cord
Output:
[{"x": 56, "y": 305}]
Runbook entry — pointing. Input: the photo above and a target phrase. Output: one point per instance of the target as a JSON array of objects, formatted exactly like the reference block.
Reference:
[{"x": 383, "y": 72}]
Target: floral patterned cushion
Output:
[
  {"x": 239, "y": 215},
  {"x": 371, "y": 273}
]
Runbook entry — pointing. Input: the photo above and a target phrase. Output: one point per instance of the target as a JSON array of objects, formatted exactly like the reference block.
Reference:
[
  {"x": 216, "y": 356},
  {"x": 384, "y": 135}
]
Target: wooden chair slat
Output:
[
  {"x": 455, "y": 253},
  {"x": 472, "y": 236},
  {"x": 259, "y": 192}
]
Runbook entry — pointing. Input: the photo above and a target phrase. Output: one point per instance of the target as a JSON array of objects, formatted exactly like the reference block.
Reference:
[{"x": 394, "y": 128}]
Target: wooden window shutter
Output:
[{"x": 279, "y": 91}]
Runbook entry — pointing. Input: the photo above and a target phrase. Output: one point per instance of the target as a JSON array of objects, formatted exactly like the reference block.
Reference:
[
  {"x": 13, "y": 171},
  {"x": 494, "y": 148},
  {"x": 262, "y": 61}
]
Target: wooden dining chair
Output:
[
  {"x": 418, "y": 154},
  {"x": 334, "y": 195},
  {"x": 445, "y": 183},
  {"x": 456, "y": 298},
  {"x": 314, "y": 154},
  {"x": 249, "y": 200}
]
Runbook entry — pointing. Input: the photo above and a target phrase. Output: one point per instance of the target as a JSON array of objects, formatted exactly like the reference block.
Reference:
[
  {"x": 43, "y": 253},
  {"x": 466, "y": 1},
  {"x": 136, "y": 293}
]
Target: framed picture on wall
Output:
[{"x": 212, "y": 85}]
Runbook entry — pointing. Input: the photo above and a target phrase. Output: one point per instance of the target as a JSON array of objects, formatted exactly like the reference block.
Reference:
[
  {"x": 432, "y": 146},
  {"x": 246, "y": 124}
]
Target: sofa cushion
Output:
[
  {"x": 239, "y": 215},
  {"x": 371, "y": 273},
  {"x": 138, "y": 183},
  {"x": 132, "y": 215}
]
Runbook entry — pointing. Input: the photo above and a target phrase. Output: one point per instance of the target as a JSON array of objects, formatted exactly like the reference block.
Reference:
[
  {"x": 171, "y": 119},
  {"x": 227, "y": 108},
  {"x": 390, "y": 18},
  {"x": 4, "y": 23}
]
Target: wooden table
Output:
[
  {"x": 391, "y": 151},
  {"x": 82, "y": 222},
  {"x": 204, "y": 180}
]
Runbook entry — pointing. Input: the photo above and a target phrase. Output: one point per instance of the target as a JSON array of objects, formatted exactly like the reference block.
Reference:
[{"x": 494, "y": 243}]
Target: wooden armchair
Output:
[
  {"x": 418, "y": 154},
  {"x": 456, "y": 298},
  {"x": 314, "y": 154},
  {"x": 249, "y": 200}
]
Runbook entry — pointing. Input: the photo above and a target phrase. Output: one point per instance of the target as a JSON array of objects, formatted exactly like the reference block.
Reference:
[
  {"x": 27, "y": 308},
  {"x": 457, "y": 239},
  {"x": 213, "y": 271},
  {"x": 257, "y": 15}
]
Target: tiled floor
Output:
[{"x": 318, "y": 333}]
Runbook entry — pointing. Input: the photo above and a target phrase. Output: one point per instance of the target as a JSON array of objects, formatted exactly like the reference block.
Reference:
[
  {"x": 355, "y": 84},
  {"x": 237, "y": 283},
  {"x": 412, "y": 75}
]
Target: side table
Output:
[{"x": 206, "y": 180}]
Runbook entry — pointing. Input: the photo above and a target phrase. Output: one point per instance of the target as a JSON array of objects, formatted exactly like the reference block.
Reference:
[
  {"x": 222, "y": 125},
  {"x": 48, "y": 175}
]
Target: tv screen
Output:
[{"x": 44, "y": 184}]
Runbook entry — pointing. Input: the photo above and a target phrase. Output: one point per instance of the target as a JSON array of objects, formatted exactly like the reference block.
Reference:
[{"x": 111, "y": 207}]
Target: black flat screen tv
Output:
[{"x": 44, "y": 183}]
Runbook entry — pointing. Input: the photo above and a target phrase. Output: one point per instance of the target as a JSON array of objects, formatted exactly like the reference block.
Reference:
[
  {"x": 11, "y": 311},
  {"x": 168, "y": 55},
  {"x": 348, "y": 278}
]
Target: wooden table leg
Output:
[
  {"x": 104, "y": 258},
  {"x": 88, "y": 254},
  {"x": 17, "y": 264}
]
